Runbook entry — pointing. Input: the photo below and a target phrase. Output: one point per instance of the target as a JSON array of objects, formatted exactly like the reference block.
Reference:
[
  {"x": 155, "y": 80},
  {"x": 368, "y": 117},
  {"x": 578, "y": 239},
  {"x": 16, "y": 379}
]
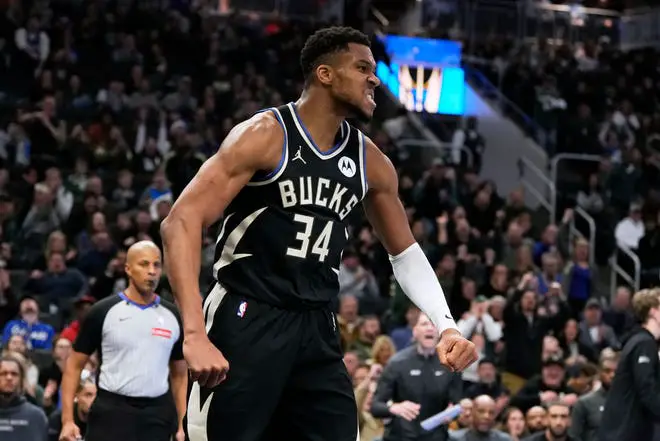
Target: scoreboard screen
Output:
[{"x": 424, "y": 74}]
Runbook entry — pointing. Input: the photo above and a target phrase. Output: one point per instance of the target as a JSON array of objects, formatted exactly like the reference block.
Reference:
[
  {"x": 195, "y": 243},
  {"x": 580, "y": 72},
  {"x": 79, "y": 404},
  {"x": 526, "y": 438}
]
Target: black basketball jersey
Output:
[{"x": 283, "y": 234}]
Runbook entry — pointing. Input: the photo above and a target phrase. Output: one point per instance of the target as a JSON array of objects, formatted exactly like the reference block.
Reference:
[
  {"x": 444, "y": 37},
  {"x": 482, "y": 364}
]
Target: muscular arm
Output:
[
  {"x": 179, "y": 384},
  {"x": 251, "y": 146},
  {"x": 388, "y": 217}
]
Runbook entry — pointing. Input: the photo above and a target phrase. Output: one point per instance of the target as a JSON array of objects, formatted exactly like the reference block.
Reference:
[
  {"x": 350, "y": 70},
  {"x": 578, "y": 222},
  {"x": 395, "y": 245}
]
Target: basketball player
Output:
[{"x": 285, "y": 181}]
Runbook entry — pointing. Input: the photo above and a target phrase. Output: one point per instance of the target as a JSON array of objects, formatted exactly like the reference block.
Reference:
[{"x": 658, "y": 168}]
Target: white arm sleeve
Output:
[{"x": 418, "y": 280}]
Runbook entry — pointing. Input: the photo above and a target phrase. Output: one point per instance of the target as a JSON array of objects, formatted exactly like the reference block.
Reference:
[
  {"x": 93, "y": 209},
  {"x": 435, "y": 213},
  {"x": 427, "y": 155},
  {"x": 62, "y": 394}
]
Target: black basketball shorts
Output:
[{"x": 286, "y": 379}]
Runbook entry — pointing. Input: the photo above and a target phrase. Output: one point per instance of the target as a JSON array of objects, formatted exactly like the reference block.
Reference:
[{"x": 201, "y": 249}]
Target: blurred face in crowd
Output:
[
  {"x": 17, "y": 344},
  {"x": 351, "y": 261},
  {"x": 369, "y": 330},
  {"x": 622, "y": 299},
  {"x": 607, "y": 371},
  {"x": 53, "y": 178},
  {"x": 144, "y": 267},
  {"x": 463, "y": 230},
  {"x": 42, "y": 195},
  {"x": 352, "y": 80},
  {"x": 550, "y": 235},
  {"x": 163, "y": 209},
  {"x": 515, "y": 423},
  {"x": 465, "y": 418},
  {"x": 412, "y": 315},
  {"x": 459, "y": 213},
  {"x": 482, "y": 200},
  {"x": 95, "y": 185},
  {"x": 351, "y": 361},
  {"x": 383, "y": 350},
  {"x": 10, "y": 378},
  {"x": 98, "y": 222},
  {"x": 581, "y": 250},
  {"x": 528, "y": 301},
  {"x": 29, "y": 311},
  {"x": 496, "y": 308},
  {"x": 592, "y": 315},
  {"x": 536, "y": 419},
  {"x": 360, "y": 375},
  {"x": 483, "y": 414},
  {"x": 62, "y": 349},
  {"x": 487, "y": 373},
  {"x": 419, "y": 230},
  {"x": 125, "y": 179},
  {"x": 553, "y": 375},
  {"x": 85, "y": 398},
  {"x": 550, "y": 347},
  {"x": 102, "y": 241},
  {"x": 550, "y": 264},
  {"x": 143, "y": 221},
  {"x": 469, "y": 289},
  {"x": 348, "y": 309},
  {"x": 558, "y": 420},
  {"x": 57, "y": 242},
  {"x": 570, "y": 330},
  {"x": 56, "y": 263},
  {"x": 500, "y": 277},
  {"x": 448, "y": 264},
  {"x": 514, "y": 234},
  {"x": 425, "y": 333}
]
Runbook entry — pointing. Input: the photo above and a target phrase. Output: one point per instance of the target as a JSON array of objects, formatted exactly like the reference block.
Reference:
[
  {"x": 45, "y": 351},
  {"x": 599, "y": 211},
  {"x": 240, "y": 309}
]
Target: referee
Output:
[
  {"x": 633, "y": 402},
  {"x": 139, "y": 340}
]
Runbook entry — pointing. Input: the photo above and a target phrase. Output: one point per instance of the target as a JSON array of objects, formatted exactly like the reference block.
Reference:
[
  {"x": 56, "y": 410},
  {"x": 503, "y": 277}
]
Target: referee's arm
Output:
[
  {"x": 647, "y": 387},
  {"x": 87, "y": 342},
  {"x": 179, "y": 376}
]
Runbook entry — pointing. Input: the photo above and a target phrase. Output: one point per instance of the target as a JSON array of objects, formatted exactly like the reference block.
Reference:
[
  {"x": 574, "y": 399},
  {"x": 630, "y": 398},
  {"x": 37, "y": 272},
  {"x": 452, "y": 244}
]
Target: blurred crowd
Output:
[{"x": 107, "y": 110}]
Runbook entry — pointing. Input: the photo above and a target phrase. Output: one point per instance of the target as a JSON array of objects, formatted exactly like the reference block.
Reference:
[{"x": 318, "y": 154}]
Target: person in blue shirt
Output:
[{"x": 37, "y": 335}]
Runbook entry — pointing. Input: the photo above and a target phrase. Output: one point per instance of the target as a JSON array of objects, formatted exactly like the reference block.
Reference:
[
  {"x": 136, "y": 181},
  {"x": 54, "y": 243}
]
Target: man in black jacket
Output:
[
  {"x": 414, "y": 386},
  {"x": 633, "y": 403},
  {"x": 558, "y": 421}
]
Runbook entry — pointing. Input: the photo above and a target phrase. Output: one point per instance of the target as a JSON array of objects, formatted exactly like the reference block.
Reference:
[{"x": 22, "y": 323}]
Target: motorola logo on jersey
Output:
[
  {"x": 320, "y": 192},
  {"x": 347, "y": 166}
]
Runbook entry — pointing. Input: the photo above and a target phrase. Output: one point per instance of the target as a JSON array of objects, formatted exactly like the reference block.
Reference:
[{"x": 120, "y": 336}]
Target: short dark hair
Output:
[{"x": 328, "y": 41}]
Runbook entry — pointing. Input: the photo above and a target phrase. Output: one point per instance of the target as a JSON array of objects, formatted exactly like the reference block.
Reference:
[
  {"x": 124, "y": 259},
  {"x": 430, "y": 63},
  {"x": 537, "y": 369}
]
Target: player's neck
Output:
[
  {"x": 320, "y": 116},
  {"x": 138, "y": 297},
  {"x": 653, "y": 327}
]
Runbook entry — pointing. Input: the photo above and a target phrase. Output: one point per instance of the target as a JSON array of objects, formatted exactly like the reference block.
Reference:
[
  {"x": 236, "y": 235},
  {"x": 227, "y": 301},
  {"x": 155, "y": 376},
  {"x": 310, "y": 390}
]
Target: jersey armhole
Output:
[
  {"x": 277, "y": 172},
  {"x": 363, "y": 164}
]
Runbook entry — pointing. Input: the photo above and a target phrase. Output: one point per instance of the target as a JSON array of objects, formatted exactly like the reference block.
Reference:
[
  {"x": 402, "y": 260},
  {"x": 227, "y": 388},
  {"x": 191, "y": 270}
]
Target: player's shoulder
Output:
[{"x": 263, "y": 125}]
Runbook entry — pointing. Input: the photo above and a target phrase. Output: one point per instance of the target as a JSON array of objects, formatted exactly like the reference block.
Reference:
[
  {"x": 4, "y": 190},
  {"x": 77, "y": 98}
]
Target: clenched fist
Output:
[{"x": 455, "y": 351}]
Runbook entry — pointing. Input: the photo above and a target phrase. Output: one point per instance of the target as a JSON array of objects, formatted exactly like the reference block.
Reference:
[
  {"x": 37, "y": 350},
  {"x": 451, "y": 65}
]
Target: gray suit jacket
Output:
[
  {"x": 609, "y": 338},
  {"x": 586, "y": 415}
]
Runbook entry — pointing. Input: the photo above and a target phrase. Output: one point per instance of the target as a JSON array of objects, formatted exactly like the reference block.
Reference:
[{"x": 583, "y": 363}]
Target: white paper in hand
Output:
[{"x": 441, "y": 418}]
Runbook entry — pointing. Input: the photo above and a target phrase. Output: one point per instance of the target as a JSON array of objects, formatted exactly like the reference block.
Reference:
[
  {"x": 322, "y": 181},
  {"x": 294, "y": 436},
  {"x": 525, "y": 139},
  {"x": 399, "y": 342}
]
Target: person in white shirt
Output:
[{"x": 631, "y": 229}]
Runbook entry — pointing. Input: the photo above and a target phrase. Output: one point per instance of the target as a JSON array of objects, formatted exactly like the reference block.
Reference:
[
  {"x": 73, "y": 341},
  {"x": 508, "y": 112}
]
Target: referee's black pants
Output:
[{"x": 118, "y": 418}]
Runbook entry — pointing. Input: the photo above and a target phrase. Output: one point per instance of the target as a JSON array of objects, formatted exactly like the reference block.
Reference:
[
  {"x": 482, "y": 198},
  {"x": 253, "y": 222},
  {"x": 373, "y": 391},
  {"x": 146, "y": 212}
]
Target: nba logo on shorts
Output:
[{"x": 241, "y": 309}]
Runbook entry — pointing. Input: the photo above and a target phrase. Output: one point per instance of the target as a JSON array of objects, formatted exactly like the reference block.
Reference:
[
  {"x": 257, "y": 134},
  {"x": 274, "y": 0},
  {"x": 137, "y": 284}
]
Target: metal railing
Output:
[
  {"x": 443, "y": 148},
  {"x": 554, "y": 167},
  {"x": 525, "y": 164},
  {"x": 574, "y": 232},
  {"x": 616, "y": 270}
]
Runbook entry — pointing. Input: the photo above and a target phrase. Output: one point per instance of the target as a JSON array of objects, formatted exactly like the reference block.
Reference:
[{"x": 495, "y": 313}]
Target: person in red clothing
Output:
[{"x": 81, "y": 306}]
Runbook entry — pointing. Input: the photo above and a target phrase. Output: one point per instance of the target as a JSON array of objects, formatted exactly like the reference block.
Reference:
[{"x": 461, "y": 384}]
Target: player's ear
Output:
[{"x": 325, "y": 74}]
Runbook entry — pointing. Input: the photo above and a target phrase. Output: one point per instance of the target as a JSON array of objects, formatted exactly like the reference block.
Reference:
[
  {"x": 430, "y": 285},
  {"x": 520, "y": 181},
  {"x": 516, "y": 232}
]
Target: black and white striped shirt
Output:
[{"x": 135, "y": 342}]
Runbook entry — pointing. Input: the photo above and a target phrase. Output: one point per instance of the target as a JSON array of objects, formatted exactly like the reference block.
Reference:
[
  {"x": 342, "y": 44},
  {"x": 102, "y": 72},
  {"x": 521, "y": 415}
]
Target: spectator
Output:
[
  {"x": 348, "y": 319},
  {"x": 85, "y": 396},
  {"x": 409, "y": 392},
  {"x": 402, "y": 336},
  {"x": 38, "y": 335},
  {"x": 573, "y": 346},
  {"x": 368, "y": 331},
  {"x": 81, "y": 307},
  {"x": 593, "y": 332},
  {"x": 514, "y": 424},
  {"x": 546, "y": 388},
  {"x": 536, "y": 419},
  {"x": 490, "y": 385},
  {"x": 468, "y": 139},
  {"x": 483, "y": 425},
  {"x": 579, "y": 276},
  {"x": 558, "y": 423},
  {"x": 58, "y": 284},
  {"x": 619, "y": 315},
  {"x": 51, "y": 377},
  {"x": 18, "y": 345},
  {"x": 21, "y": 420},
  {"x": 354, "y": 279},
  {"x": 586, "y": 415},
  {"x": 630, "y": 230}
]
